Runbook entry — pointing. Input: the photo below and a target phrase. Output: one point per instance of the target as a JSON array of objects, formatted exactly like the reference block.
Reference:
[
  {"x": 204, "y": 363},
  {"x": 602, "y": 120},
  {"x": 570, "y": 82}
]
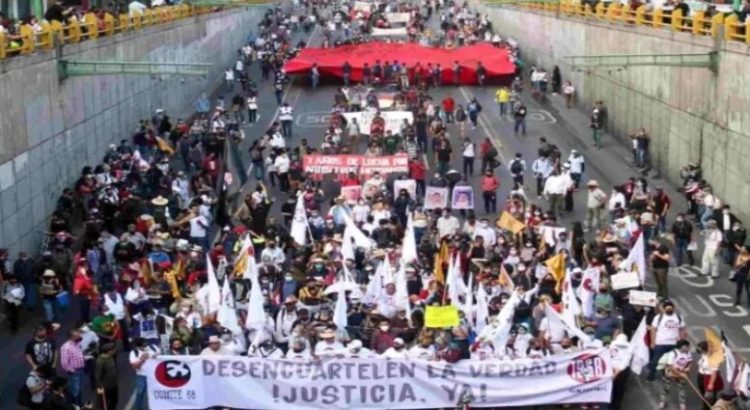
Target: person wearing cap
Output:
[
  {"x": 215, "y": 347},
  {"x": 328, "y": 345},
  {"x": 713, "y": 238},
  {"x": 595, "y": 206},
  {"x": 355, "y": 350},
  {"x": 675, "y": 366},
  {"x": 397, "y": 351}
]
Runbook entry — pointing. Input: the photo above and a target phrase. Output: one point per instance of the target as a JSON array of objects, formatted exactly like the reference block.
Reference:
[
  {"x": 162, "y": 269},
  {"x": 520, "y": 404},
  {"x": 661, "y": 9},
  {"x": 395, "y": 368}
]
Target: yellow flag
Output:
[
  {"x": 164, "y": 146},
  {"x": 556, "y": 266},
  {"x": 508, "y": 222},
  {"x": 504, "y": 279},
  {"x": 439, "y": 317},
  {"x": 146, "y": 271},
  {"x": 715, "y": 349},
  {"x": 440, "y": 258}
]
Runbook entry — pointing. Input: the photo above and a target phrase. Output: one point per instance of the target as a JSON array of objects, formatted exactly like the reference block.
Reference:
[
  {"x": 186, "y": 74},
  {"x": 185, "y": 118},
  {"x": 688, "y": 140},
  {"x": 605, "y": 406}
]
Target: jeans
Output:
[
  {"x": 490, "y": 201},
  {"x": 520, "y": 125},
  {"x": 229, "y": 85},
  {"x": 469, "y": 166},
  {"x": 279, "y": 97},
  {"x": 201, "y": 241},
  {"x": 259, "y": 170},
  {"x": 286, "y": 128},
  {"x": 473, "y": 117},
  {"x": 656, "y": 353},
  {"x": 314, "y": 81},
  {"x": 449, "y": 117},
  {"x": 75, "y": 386},
  {"x": 502, "y": 108},
  {"x": 140, "y": 393},
  {"x": 443, "y": 167},
  {"x": 346, "y": 80},
  {"x": 681, "y": 251},
  {"x": 84, "y": 308},
  {"x": 741, "y": 282},
  {"x": 252, "y": 116},
  {"x": 706, "y": 215},
  {"x": 31, "y": 291},
  {"x": 51, "y": 310}
]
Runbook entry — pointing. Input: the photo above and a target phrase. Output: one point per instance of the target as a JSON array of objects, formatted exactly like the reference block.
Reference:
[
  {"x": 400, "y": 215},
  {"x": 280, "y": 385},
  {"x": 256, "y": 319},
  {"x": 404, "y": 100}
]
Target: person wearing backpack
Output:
[
  {"x": 35, "y": 387},
  {"x": 519, "y": 116},
  {"x": 474, "y": 108},
  {"x": 517, "y": 167},
  {"x": 675, "y": 366},
  {"x": 667, "y": 328}
]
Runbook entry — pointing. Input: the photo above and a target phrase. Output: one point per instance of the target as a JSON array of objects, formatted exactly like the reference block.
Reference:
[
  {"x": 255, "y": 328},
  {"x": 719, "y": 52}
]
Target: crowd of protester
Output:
[{"x": 133, "y": 243}]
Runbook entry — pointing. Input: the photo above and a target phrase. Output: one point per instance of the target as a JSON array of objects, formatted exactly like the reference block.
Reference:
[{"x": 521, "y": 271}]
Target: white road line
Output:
[{"x": 486, "y": 129}]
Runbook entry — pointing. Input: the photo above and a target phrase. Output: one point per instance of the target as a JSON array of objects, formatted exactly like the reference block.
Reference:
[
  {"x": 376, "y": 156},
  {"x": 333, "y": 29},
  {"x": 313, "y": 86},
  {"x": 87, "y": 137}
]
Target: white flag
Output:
[
  {"x": 300, "y": 226},
  {"x": 360, "y": 239},
  {"x": 347, "y": 248},
  {"x": 468, "y": 306},
  {"x": 455, "y": 282},
  {"x": 402, "y": 293},
  {"x": 587, "y": 290},
  {"x": 214, "y": 291},
  {"x": 340, "y": 318},
  {"x": 639, "y": 350},
  {"x": 554, "y": 320},
  {"x": 256, "y": 316},
  {"x": 227, "y": 316},
  {"x": 742, "y": 384},
  {"x": 409, "y": 249},
  {"x": 636, "y": 259},
  {"x": 374, "y": 288},
  {"x": 730, "y": 361},
  {"x": 483, "y": 312},
  {"x": 571, "y": 307}
]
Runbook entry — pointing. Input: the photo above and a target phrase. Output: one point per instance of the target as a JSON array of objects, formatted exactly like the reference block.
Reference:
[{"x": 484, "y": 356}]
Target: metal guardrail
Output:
[
  {"x": 49, "y": 34},
  {"x": 699, "y": 23}
]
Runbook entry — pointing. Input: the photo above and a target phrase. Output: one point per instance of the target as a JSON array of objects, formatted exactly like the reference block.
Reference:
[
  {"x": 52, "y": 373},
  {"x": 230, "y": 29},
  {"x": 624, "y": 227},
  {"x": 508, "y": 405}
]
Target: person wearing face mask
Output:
[
  {"x": 683, "y": 236},
  {"x": 192, "y": 319},
  {"x": 484, "y": 230},
  {"x": 298, "y": 352},
  {"x": 274, "y": 253},
  {"x": 713, "y": 238},
  {"x": 397, "y": 351},
  {"x": 268, "y": 350},
  {"x": 355, "y": 350},
  {"x": 145, "y": 326},
  {"x": 141, "y": 353},
  {"x": 734, "y": 239},
  {"x": 382, "y": 337},
  {"x": 73, "y": 363},
  {"x": 447, "y": 224},
  {"x": 665, "y": 330},
  {"x": 285, "y": 320}
]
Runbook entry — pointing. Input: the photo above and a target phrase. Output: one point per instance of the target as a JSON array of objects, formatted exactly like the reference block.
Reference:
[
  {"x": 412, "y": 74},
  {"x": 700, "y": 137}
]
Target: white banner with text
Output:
[{"x": 195, "y": 382}]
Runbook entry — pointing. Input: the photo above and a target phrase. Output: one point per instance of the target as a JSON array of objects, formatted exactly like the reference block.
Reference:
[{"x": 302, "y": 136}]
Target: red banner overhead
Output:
[{"x": 331, "y": 60}]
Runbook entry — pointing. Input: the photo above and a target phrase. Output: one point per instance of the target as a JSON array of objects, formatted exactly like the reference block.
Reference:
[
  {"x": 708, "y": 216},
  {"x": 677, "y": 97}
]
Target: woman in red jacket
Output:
[{"x": 84, "y": 290}]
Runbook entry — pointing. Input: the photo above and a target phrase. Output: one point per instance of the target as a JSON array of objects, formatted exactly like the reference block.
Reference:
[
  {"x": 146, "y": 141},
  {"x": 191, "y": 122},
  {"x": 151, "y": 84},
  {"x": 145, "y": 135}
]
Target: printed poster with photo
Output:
[
  {"x": 351, "y": 194},
  {"x": 435, "y": 197},
  {"x": 462, "y": 198},
  {"x": 410, "y": 185}
]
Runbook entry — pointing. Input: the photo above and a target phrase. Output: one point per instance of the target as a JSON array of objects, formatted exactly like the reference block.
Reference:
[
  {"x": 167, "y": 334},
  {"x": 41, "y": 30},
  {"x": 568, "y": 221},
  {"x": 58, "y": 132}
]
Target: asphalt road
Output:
[{"x": 702, "y": 301}]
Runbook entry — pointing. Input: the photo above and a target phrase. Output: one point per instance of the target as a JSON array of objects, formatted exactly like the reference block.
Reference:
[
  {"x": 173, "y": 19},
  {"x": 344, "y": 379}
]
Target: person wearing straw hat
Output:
[
  {"x": 214, "y": 348},
  {"x": 328, "y": 345}
]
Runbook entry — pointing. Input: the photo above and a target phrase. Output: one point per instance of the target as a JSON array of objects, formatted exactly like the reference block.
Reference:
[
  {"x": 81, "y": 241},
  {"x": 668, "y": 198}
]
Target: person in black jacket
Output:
[
  {"x": 734, "y": 239},
  {"x": 682, "y": 230}
]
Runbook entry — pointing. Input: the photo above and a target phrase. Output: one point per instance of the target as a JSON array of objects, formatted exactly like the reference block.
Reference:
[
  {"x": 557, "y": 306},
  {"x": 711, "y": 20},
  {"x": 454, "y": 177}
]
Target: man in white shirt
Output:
[
  {"x": 555, "y": 189},
  {"x": 595, "y": 203},
  {"x": 398, "y": 351},
  {"x": 199, "y": 231},
  {"x": 712, "y": 246},
  {"x": 447, "y": 225},
  {"x": 665, "y": 330},
  {"x": 181, "y": 187},
  {"x": 282, "y": 169},
  {"x": 229, "y": 79},
  {"x": 274, "y": 253},
  {"x": 138, "y": 356},
  {"x": 484, "y": 230},
  {"x": 542, "y": 168},
  {"x": 286, "y": 116},
  {"x": 215, "y": 347},
  {"x": 577, "y": 166},
  {"x": 355, "y": 351}
]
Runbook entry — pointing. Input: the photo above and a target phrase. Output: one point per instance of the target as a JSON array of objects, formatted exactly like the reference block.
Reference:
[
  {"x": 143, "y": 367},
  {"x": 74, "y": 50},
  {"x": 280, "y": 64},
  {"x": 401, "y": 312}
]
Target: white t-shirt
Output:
[
  {"x": 198, "y": 226},
  {"x": 282, "y": 164},
  {"x": 667, "y": 328},
  {"x": 392, "y": 353},
  {"x": 135, "y": 354}
]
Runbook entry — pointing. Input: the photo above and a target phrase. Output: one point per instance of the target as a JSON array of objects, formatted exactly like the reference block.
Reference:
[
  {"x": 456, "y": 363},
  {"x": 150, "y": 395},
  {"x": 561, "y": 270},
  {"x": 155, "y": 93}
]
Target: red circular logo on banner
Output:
[
  {"x": 587, "y": 368},
  {"x": 172, "y": 374}
]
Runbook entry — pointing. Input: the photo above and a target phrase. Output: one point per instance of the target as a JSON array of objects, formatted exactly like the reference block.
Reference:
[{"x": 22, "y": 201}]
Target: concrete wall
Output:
[
  {"x": 690, "y": 113},
  {"x": 50, "y": 129}
]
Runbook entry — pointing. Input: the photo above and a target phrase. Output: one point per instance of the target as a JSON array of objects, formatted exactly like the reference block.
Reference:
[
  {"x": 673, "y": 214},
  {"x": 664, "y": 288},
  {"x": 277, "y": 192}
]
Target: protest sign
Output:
[
  {"x": 352, "y": 193},
  {"x": 625, "y": 280},
  {"x": 397, "y": 18},
  {"x": 199, "y": 382},
  {"x": 462, "y": 197},
  {"x": 435, "y": 197},
  {"x": 393, "y": 120},
  {"x": 389, "y": 32},
  {"x": 441, "y": 316},
  {"x": 643, "y": 298},
  {"x": 409, "y": 185},
  {"x": 359, "y": 164}
]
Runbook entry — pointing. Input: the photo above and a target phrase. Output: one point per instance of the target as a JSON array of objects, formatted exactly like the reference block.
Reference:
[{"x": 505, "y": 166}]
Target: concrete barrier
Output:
[
  {"x": 50, "y": 129},
  {"x": 691, "y": 114}
]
